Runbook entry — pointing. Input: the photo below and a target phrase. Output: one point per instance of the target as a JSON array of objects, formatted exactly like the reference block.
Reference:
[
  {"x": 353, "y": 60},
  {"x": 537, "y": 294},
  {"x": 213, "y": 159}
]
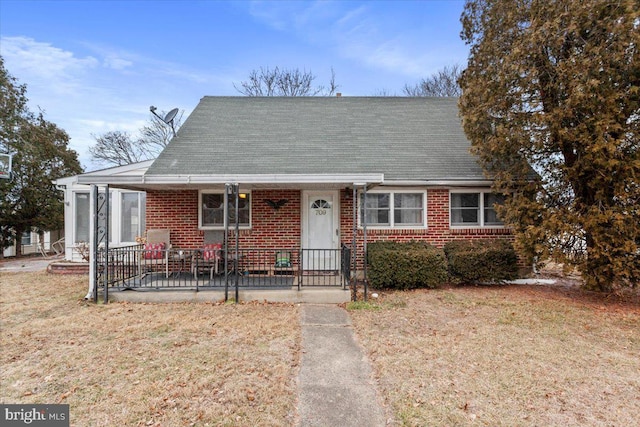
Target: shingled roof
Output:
[{"x": 405, "y": 139}]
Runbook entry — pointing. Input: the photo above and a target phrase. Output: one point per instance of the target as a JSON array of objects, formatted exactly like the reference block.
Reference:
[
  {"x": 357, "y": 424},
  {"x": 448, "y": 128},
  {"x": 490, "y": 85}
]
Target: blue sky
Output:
[{"x": 97, "y": 66}]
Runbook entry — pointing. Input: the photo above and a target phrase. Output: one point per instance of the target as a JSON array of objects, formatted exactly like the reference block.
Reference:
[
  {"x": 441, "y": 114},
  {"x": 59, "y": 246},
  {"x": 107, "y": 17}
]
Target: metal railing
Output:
[{"x": 133, "y": 267}]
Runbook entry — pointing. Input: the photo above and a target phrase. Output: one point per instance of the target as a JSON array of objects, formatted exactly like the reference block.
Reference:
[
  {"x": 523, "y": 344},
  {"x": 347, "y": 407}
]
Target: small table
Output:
[{"x": 180, "y": 256}]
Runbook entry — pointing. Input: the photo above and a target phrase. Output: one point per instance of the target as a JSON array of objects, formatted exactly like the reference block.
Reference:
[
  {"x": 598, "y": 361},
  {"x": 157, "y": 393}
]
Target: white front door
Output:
[{"x": 321, "y": 230}]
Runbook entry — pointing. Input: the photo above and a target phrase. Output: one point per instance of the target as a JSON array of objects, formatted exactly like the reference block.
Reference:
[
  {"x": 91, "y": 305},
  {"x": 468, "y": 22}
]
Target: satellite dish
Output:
[{"x": 170, "y": 116}]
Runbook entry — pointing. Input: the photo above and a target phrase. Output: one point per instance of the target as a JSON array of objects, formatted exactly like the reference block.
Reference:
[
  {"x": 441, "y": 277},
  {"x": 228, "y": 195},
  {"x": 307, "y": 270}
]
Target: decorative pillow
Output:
[
  {"x": 212, "y": 251},
  {"x": 283, "y": 259},
  {"x": 153, "y": 251}
]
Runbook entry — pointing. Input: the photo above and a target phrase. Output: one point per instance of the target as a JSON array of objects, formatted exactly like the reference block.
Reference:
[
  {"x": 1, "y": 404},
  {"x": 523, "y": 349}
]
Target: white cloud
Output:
[{"x": 42, "y": 63}]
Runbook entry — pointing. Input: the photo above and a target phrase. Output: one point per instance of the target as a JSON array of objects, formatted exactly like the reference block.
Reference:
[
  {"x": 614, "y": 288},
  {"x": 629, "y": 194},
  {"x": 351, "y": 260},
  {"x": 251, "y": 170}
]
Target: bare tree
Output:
[
  {"x": 442, "y": 83},
  {"x": 156, "y": 135},
  {"x": 119, "y": 148},
  {"x": 284, "y": 82}
]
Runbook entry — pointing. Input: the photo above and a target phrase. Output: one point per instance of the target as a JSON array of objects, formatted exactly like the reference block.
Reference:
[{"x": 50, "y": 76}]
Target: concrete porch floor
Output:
[{"x": 319, "y": 295}]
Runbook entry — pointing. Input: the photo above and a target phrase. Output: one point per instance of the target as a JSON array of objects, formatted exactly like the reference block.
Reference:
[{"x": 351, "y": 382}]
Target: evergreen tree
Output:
[
  {"x": 30, "y": 200},
  {"x": 554, "y": 87}
]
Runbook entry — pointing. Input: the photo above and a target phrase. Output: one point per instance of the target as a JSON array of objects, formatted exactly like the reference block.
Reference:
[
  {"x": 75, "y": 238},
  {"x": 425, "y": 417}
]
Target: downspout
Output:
[{"x": 93, "y": 260}]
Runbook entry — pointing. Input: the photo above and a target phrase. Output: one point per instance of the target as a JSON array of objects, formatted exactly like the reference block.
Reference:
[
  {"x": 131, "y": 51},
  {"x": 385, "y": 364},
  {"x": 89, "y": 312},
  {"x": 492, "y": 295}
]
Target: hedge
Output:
[
  {"x": 483, "y": 260},
  {"x": 406, "y": 265}
]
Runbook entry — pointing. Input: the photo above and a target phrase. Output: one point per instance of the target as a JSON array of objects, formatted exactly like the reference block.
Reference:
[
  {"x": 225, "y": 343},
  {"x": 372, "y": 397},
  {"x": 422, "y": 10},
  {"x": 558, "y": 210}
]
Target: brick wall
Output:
[
  {"x": 271, "y": 228},
  {"x": 281, "y": 228}
]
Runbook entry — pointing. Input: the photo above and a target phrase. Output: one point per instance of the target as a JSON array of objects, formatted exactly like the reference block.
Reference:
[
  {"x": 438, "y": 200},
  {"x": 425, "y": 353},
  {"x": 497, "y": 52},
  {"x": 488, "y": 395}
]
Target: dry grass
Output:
[
  {"x": 526, "y": 356},
  {"x": 146, "y": 364}
]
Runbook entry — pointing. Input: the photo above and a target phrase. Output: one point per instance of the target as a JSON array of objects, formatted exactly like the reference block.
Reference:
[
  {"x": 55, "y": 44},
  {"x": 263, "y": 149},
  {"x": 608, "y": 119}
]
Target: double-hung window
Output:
[
  {"x": 212, "y": 210},
  {"x": 393, "y": 209},
  {"x": 474, "y": 209}
]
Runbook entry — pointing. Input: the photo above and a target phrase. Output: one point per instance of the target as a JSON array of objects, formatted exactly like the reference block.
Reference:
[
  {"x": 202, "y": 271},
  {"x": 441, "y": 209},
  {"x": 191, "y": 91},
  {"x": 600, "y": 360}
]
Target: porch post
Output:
[
  {"x": 106, "y": 214},
  {"x": 354, "y": 248},
  {"x": 226, "y": 241},
  {"x": 364, "y": 242},
  {"x": 236, "y": 190}
]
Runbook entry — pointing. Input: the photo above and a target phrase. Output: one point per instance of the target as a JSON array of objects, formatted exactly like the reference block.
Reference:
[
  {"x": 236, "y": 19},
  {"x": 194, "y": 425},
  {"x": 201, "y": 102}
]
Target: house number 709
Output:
[{"x": 321, "y": 211}]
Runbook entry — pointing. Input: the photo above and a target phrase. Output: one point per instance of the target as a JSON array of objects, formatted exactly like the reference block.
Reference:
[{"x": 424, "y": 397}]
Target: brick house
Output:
[{"x": 301, "y": 162}]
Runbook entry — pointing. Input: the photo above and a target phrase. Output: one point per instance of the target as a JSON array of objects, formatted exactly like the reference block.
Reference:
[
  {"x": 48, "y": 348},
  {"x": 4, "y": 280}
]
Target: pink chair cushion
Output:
[
  {"x": 154, "y": 251},
  {"x": 212, "y": 251}
]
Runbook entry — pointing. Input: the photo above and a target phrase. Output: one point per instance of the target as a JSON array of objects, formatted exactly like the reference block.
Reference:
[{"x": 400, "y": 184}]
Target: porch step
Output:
[
  {"x": 305, "y": 296},
  {"x": 67, "y": 267}
]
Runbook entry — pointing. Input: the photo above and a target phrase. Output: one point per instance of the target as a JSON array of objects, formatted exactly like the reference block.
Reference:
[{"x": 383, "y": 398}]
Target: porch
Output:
[{"x": 291, "y": 274}]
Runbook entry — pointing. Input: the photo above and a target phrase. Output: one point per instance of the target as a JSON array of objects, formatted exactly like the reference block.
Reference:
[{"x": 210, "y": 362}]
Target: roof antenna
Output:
[{"x": 168, "y": 119}]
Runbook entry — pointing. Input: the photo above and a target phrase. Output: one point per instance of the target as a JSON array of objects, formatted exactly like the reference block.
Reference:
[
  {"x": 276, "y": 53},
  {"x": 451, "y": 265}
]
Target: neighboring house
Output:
[
  {"x": 297, "y": 161},
  {"x": 31, "y": 243},
  {"x": 127, "y": 211}
]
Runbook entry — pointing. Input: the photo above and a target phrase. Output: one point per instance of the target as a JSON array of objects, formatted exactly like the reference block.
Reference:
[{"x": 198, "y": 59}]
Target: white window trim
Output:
[
  {"x": 221, "y": 227},
  {"x": 392, "y": 225},
  {"x": 481, "y": 193}
]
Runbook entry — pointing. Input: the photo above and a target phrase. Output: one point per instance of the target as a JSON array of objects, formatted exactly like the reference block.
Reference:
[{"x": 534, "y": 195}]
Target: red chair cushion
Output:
[
  {"x": 212, "y": 251},
  {"x": 153, "y": 251}
]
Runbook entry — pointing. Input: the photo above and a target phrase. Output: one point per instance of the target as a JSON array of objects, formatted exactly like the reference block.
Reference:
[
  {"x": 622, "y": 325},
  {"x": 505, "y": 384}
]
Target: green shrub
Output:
[
  {"x": 487, "y": 261},
  {"x": 405, "y": 265}
]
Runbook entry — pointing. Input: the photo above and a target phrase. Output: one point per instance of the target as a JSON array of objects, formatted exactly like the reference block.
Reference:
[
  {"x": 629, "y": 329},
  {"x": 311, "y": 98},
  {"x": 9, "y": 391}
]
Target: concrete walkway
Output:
[{"x": 335, "y": 383}]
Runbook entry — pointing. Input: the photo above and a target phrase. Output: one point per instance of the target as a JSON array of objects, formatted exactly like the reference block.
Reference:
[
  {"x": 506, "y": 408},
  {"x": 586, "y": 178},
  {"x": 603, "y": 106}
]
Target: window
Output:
[
  {"x": 25, "y": 240},
  {"x": 474, "y": 209},
  {"x": 82, "y": 217},
  {"x": 212, "y": 210},
  {"x": 393, "y": 209},
  {"x": 490, "y": 215},
  {"x": 132, "y": 216}
]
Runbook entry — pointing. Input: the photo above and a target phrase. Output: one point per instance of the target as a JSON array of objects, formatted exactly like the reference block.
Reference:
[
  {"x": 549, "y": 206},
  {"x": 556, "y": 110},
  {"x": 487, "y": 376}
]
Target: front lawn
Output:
[
  {"x": 146, "y": 364},
  {"x": 504, "y": 356}
]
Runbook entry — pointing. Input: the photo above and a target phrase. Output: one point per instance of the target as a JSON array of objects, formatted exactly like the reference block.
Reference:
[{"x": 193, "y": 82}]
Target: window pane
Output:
[
  {"x": 465, "y": 208},
  {"x": 377, "y": 200},
  {"x": 26, "y": 238},
  {"x": 407, "y": 200},
  {"x": 465, "y": 200},
  {"x": 244, "y": 208},
  {"x": 213, "y": 209},
  {"x": 490, "y": 215},
  {"x": 82, "y": 217},
  {"x": 408, "y": 209},
  {"x": 130, "y": 221},
  {"x": 377, "y": 217},
  {"x": 377, "y": 208}
]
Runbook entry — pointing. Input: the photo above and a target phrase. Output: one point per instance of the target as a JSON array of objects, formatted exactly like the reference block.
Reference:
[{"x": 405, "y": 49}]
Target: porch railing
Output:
[{"x": 133, "y": 267}]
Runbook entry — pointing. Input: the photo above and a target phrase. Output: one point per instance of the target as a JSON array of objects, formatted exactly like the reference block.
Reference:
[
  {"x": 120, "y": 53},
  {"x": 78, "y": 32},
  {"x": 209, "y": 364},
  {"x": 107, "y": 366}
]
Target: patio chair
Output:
[
  {"x": 210, "y": 258},
  {"x": 156, "y": 250}
]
